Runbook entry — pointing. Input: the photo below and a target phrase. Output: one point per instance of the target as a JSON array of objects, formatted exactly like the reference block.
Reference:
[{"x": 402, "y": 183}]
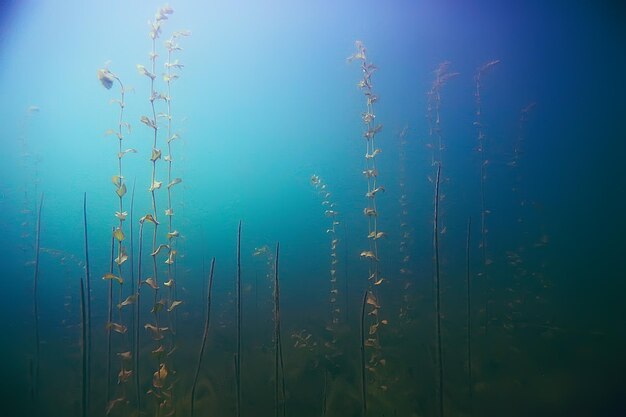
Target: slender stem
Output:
[
  {"x": 238, "y": 358},
  {"x": 345, "y": 271},
  {"x": 469, "y": 316},
  {"x": 83, "y": 314},
  {"x": 483, "y": 243},
  {"x": 363, "y": 379},
  {"x": 109, "y": 320},
  {"x": 204, "y": 337},
  {"x": 137, "y": 319},
  {"x": 36, "y": 302},
  {"x": 483, "y": 167},
  {"x": 277, "y": 337},
  {"x": 131, "y": 255},
  {"x": 87, "y": 321},
  {"x": 437, "y": 290}
]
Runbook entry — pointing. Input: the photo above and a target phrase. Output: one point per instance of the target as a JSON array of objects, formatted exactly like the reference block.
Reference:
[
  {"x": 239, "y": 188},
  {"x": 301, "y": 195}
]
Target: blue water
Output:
[{"x": 266, "y": 100}]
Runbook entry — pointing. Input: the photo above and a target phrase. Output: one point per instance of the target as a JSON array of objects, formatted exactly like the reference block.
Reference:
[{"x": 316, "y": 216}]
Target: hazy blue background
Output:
[{"x": 266, "y": 99}]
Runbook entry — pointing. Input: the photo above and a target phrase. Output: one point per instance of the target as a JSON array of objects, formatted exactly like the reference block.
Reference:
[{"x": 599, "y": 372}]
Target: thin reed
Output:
[
  {"x": 109, "y": 321},
  {"x": 204, "y": 337},
  {"x": 469, "y": 317},
  {"x": 371, "y": 255},
  {"x": 362, "y": 348},
  {"x": 483, "y": 176},
  {"x": 35, "y": 392},
  {"x": 438, "y": 290},
  {"x": 137, "y": 317},
  {"x": 86, "y": 314},
  {"x": 278, "y": 349},
  {"x": 238, "y": 356}
]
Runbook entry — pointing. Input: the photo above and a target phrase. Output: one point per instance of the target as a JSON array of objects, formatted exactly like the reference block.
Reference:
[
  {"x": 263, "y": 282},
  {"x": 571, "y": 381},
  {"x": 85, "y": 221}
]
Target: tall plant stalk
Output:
[
  {"x": 36, "y": 303},
  {"x": 332, "y": 213},
  {"x": 172, "y": 46},
  {"x": 204, "y": 337},
  {"x": 371, "y": 210},
  {"x": 238, "y": 357},
  {"x": 107, "y": 78},
  {"x": 469, "y": 316},
  {"x": 362, "y": 346},
  {"x": 483, "y": 175},
  {"x": 438, "y": 291},
  {"x": 160, "y": 377},
  {"x": 405, "y": 233},
  {"x": 86, "y": 314},
  {"x": 110, "y": 321},
  {"x": 278, "y": 349},
  {"x": 137, "y": 317}
]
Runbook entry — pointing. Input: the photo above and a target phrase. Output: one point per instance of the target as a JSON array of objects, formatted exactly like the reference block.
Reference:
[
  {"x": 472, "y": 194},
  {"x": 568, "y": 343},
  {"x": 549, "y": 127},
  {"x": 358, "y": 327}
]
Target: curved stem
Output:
[
  {"x": 35, "y": 392},
  {"x": 363, "y": 379},
  {"x": 238, "y": 358},
  {"x": 204, "y": 337},
  {"x": 87, "y": 319},
  {"x": 437, "y": 290}
]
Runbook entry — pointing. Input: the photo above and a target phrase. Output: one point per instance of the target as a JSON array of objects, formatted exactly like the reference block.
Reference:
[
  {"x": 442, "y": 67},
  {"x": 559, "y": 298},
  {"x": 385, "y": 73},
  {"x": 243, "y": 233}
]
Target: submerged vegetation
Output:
[{"x": 410, "y": 305}]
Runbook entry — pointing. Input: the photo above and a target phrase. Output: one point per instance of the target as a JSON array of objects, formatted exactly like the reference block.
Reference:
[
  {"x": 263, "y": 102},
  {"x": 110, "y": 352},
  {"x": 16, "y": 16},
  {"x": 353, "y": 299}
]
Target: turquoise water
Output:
[{"x": 269, "y": 124}]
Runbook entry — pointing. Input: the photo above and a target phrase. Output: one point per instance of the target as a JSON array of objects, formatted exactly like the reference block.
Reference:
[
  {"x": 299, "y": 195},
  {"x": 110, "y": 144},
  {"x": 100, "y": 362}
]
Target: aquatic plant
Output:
[
  {"x": 29, "y": 164},
  {"x": 142, "y": 220},
  {"x": 204, "y": 336},
  {"x": 35, "y": 371},
  {"x": 86, "y": 313},
  {"x": 332, "y": 213},
  {"x": 109, "y": 325},
  {"x": 518, "y": 256},
  {"x": 172, "y": 46},
  {"x": 278, "y": 344},
  {"x": 238, "y": 355},
  {"x": 131, "y": 255},
  {"x": 161, "y": 390},
  {"x": 371, "y": 210},
  {"x": 433, "y": 115},
  {"x": 362, "y": 350},
  {"x": 437, "y": 289},
  {"x": 483, "y": 175},
  {"x": 405, "y": 233},
  {"x": 108, "y": 79}
]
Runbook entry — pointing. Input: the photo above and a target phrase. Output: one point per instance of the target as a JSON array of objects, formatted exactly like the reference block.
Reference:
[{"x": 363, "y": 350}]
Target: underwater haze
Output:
[{"x": 290, "y": 208}]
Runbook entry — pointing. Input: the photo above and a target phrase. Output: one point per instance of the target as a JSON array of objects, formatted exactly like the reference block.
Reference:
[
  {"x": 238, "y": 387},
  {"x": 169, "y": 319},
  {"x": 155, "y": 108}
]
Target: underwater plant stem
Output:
[
  {"x": 171, "y": 252},
  {"x": 238, "y": 359},
  {"x": 483, "y": 243},
  {"x": 87, "y": 320},
  {"x": 469, "y": 317},
  {"x": 132, "y": 246},
  {"x": 204, "y": 336},
  {"x": 85, "y": 367},
  {"x": 137, "y": 321},
  {"x": 36, "y": 302},
  {"x": 483, "y": 167},
  {"x": 109, "y": 320},
  {"x": 363, "y": 379},
  {"x": 437, "y": 290},
  {"x": 277, "y": 337}
]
